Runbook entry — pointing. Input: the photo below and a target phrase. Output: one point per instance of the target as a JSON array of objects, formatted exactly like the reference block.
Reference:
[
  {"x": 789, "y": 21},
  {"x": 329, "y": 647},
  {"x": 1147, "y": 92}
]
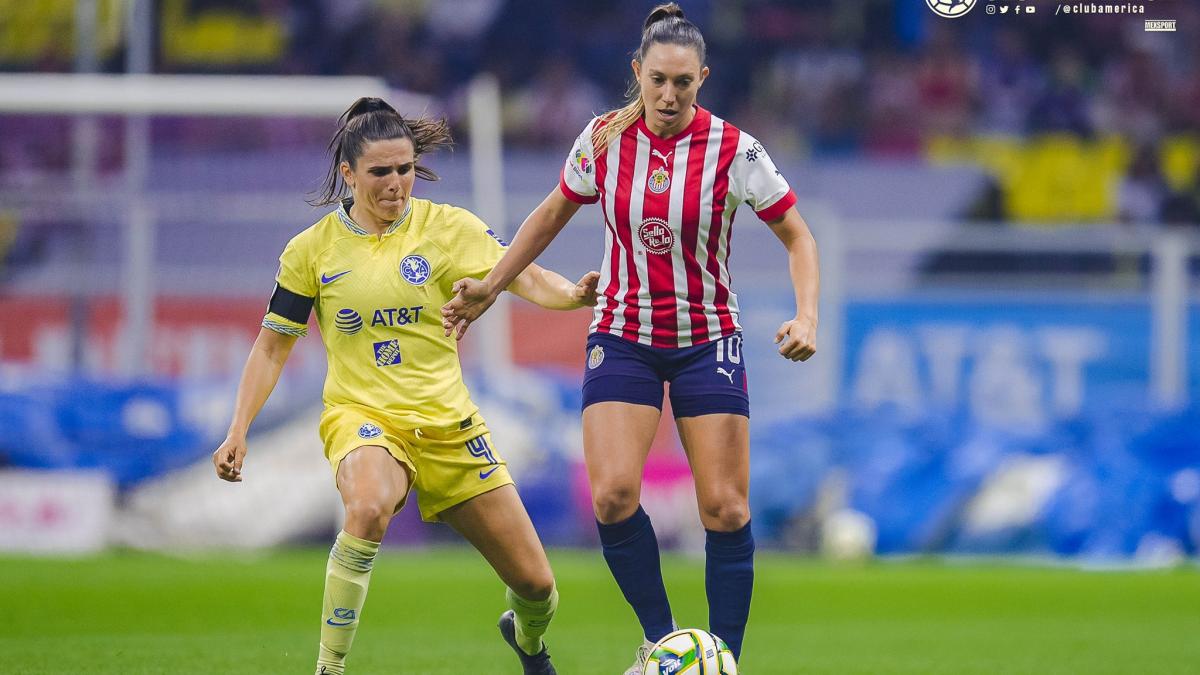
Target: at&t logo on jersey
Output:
[
  {"x": 348, "y": 321},
  {"x": 656, "y": 236},
  {"x": 387, "y": 353},
  {"x": 415, "y": 269},
  {"x": 369, "y": 430},
  {"x": 659, "y": 181},
  {"x": 396, "y": 316}
]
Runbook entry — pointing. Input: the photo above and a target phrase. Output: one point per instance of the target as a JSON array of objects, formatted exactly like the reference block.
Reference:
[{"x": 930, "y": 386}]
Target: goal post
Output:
[
  {"x": 144, "y": 95},
  {"x": 235, "y": 95}
]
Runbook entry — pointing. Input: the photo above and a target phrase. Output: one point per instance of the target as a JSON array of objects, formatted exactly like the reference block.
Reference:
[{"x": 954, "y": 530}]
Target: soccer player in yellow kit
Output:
[{"x": 397, "y": 414}]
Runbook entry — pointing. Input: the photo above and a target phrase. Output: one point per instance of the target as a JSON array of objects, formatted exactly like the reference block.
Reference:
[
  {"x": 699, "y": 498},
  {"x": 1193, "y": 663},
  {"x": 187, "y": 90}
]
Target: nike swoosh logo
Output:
[
  {"x": 331, "y": 622},
  {"x": 484, "y": 474},
  {"x": 327, "y": 279}
]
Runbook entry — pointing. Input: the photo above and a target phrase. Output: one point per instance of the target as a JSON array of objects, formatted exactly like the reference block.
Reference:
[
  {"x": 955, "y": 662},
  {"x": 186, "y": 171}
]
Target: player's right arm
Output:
[
  {"x": 267, "y": 357},
  {"x": 287, "y": 319}
]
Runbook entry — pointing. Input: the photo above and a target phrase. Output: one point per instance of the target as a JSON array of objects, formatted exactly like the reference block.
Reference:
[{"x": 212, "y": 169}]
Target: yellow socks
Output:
[
  {"x": 346, "y": 579},
  {"x": 532, "y": 618}
]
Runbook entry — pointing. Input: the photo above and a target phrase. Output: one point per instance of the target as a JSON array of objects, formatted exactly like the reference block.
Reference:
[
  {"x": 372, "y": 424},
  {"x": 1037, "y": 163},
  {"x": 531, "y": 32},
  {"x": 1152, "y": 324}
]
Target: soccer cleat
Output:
[
  {"x": 639, "y": 658},
  {"x": 537, "y": 664}
]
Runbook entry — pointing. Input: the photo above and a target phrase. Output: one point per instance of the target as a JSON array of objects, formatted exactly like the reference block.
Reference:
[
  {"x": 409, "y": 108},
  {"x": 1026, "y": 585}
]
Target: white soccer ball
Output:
[
  {"x": 849, "y": 535},
  {"x": 690, "y": 651}
]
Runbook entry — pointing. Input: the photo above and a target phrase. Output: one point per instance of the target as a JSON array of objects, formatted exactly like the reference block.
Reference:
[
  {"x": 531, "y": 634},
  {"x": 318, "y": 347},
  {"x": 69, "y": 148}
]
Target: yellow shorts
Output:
[{"x": 448, "y": 465}]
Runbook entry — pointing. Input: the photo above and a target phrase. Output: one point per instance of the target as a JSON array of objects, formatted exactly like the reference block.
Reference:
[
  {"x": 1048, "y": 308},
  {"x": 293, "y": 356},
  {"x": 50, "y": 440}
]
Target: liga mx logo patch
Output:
[
  {"x": 415, "y": 269},
  {"x": 582, "y": 161},
  {"x": 369, "y": 430},
  {"x": 387, "y": 353},
  {"x": 595, "y": 357}
]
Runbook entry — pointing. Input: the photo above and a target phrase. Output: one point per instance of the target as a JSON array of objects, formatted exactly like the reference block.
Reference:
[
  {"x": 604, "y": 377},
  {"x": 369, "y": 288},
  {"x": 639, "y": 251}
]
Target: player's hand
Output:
[
  {"x": 585, "y": 290},
  {"x": 471, "y": 299},
  {"x": 797, "y": 339},
  {"x": 228, "y": 458}
]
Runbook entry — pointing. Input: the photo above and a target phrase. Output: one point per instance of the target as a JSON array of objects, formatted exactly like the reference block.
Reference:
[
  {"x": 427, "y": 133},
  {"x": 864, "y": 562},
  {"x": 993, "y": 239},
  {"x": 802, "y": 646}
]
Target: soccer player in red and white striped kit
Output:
[{"x": 669, "y": 176}]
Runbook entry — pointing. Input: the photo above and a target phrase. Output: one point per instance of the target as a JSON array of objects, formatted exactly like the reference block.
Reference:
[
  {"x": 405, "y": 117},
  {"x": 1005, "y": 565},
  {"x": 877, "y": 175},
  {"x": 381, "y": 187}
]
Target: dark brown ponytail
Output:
[{"x": 373, "y": 119}]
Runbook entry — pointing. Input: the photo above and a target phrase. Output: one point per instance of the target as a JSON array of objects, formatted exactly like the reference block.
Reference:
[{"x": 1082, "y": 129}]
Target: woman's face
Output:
[
  {"x": 382, "y": 178},
  {"x": 669, "y": 76}
]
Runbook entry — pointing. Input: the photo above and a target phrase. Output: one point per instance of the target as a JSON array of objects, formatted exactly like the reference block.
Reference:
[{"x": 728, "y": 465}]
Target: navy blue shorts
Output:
[{"x": 705, "y": 379}]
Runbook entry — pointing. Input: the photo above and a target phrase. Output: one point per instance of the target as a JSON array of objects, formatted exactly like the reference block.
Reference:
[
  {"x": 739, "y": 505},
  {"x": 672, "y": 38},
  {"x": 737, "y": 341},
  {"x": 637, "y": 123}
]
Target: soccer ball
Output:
[{"x": 690, "y": 651}]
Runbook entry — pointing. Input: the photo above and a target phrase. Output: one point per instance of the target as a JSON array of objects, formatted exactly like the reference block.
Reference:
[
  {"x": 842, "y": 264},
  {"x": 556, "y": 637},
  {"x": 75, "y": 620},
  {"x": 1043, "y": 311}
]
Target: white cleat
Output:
[{"x": 639, "y": 658}]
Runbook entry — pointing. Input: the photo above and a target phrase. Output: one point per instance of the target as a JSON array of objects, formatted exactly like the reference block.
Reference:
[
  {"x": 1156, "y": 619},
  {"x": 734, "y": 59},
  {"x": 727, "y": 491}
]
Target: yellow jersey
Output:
[{"x": 378, "y": 300}]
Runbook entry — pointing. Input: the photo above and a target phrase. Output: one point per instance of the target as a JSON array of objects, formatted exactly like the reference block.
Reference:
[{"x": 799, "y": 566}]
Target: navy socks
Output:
[
  {"x": 729, "y": 581},
  {"x": 631, "y": 551}
]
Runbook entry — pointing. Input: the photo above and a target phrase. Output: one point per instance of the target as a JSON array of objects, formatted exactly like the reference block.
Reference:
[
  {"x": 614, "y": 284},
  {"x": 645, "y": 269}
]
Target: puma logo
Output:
[
  {"x": 665, "y": 158},
  {"x": 726, "y": 373}
]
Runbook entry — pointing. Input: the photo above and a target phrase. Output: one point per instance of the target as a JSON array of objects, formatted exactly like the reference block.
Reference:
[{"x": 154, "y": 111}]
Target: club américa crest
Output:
[{"x": 415, "y": 269}]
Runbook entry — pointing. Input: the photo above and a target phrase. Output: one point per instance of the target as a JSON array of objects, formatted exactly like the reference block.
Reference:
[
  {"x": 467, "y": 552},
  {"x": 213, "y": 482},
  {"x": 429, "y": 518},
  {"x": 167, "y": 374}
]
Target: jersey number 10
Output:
[{"x": 731, "y": 347}]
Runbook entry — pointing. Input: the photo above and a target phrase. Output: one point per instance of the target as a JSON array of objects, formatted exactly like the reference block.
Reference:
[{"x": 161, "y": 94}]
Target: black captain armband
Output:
[{"x": 289, "y": 305}]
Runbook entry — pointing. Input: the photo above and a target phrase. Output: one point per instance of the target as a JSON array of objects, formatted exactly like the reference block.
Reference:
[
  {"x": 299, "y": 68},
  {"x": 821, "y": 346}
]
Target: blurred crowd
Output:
[{"x": 812, "y": 78}]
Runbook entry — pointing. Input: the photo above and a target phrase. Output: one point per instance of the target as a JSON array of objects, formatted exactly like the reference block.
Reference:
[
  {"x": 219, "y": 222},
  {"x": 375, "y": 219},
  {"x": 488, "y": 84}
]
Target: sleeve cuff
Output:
[
  {"x": 281, "y": 325},
  {"x": 777, "y": 209},
  {"x": 575, "y": 196}
]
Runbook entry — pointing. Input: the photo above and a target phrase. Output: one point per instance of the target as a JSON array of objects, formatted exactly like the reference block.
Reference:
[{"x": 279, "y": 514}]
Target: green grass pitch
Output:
[{"x": 435, "y": 612}]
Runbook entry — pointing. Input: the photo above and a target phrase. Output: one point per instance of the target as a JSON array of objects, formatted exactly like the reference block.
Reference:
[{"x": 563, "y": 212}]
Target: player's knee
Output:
[
  {"x": 367, "y": 514},
  {"x": 726, "y": 514},
  {"x": 535, "y": 586},
  {"x": 613, "y": 504}
]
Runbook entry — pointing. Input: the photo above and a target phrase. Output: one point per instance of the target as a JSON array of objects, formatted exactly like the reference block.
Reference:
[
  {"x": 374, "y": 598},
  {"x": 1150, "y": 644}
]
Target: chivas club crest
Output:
[
  {"x": 659, "y": 181},
  {"x": 595, "y": 357}
]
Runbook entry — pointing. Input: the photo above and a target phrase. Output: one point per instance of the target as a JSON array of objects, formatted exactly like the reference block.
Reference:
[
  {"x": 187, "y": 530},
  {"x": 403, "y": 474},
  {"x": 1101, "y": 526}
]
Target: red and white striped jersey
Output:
[{"x": 668, "y": 211}]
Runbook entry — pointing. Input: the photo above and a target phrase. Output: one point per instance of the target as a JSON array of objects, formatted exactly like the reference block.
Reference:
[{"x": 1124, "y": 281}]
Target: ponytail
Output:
[
  {"x": 662, "y": 12},
  {"x": 373, "y": 119},
  {"x": 664, "y": 25}
]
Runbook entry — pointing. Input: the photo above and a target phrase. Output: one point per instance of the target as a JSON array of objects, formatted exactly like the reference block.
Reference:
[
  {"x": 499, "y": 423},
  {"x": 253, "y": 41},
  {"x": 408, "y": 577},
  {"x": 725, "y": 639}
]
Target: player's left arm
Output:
[
  {"x": 797, "y": 337},
  {"x": 552, "y": 290}
]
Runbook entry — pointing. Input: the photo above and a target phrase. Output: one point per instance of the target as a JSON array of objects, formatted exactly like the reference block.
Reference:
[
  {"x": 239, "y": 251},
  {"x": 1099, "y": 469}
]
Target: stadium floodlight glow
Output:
[{"x": 242, "y": 95}]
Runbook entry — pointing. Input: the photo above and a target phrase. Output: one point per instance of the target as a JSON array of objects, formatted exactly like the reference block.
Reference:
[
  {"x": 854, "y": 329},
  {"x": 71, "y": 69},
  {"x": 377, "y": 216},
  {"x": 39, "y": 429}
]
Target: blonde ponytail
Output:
[
  {"x": 613, "y": 123},
  {"x": 665, "y": 24}
]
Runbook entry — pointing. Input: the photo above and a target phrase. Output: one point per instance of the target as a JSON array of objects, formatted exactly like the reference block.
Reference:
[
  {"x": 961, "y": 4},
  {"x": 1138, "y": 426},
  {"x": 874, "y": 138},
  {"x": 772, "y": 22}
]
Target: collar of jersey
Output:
[
  {"x": 699, "y": 121},
  {"x": 343, "y": 214}
]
